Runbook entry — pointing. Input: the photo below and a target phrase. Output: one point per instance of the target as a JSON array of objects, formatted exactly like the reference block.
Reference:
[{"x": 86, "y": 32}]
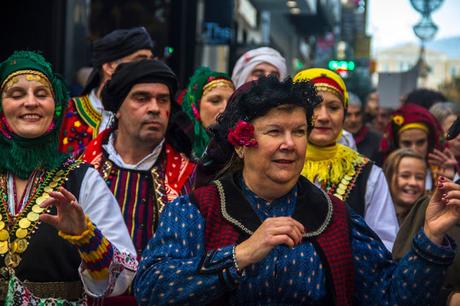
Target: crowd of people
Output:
[{"x": 257, "y": 188}]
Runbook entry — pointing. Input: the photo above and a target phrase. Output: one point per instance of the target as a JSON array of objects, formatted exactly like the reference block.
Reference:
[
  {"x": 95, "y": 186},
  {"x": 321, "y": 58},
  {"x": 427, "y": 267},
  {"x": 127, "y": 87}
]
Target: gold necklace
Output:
[{"x": 14, "y": 236}]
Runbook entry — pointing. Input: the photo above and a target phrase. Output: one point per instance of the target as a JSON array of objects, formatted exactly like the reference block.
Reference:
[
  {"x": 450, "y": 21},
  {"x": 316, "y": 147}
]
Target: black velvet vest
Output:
[{"x": 49, "y": 258}]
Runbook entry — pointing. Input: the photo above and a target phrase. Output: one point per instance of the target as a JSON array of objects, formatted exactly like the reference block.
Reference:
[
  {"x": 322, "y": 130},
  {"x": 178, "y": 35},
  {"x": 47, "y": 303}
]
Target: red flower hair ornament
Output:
[{"x": 242, "y": 135}]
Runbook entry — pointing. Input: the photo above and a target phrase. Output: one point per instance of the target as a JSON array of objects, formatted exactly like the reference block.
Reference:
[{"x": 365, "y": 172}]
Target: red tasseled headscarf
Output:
[{"x": 408, "y": 114}]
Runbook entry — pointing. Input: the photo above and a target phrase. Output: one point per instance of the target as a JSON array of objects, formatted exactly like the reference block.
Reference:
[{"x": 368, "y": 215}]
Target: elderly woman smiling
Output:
[{"x": 262, "y": 234}]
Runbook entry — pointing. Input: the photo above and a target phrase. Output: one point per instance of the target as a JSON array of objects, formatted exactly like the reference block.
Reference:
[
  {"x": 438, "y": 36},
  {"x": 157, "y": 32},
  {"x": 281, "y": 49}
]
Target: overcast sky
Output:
[{"x": 390, "y": 22}]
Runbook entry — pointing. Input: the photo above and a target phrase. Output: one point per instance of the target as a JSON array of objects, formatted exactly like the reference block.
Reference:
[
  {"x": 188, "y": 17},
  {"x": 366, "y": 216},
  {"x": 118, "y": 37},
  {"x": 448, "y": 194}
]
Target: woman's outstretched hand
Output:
[
  {"x": 70, "y": 218},
  {"x": 443, "y": 211}
]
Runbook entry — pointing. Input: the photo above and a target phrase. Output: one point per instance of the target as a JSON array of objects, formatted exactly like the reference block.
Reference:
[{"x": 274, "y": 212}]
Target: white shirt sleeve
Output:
[
  {"x": 429, "y": 180},
  {"x": 102, "y": 208},
  {"x": 380, "y": 213},
  {"x": 348, "y": 140}
]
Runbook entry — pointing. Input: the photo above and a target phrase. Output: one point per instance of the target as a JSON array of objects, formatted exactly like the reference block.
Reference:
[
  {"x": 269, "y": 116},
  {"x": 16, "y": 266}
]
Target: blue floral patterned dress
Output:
[{"x": 176, "y": 269}]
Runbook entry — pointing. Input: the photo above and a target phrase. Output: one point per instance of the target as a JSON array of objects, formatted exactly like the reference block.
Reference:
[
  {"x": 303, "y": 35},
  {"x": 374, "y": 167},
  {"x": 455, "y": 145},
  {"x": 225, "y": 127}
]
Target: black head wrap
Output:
[
  {"x": 113, "y": 46},
  {"x": 129, "y": 74},
  {"x": 255, "y": 99},
  {"x": 250, "y": 101}
]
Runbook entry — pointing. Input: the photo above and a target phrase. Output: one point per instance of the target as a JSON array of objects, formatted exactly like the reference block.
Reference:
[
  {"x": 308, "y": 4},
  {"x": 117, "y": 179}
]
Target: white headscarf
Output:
[{"x": 249, "y": 60}]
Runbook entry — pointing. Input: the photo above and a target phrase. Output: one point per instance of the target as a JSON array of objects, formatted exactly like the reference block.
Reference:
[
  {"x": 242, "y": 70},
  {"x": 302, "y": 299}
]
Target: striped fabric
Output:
[
  {"x": 142, "y": 194},
  {"x": 135, "y": 194}
]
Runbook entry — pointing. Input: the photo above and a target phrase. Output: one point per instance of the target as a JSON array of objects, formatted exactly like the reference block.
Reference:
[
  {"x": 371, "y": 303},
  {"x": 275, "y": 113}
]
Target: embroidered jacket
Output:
[
  {"x": 142, "y": 195},
  {"x": 80, "y": 125}
]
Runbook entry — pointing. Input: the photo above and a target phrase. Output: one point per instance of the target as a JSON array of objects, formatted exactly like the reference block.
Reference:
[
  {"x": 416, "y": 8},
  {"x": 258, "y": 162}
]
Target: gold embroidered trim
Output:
[
  {"x": 329, "y": 88},
  {"x": 87, "y": 112},
  {"x": 157, "y": 189},
  {"x": 106, "y": 169},
  {"x": 225, "y": 214},
  {"x": 31, "y": 75},
  {"x": 217, "y": 83}
]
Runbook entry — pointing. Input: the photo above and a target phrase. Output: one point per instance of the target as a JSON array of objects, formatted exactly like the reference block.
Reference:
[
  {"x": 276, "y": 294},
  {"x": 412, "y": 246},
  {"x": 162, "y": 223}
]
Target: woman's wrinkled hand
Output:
[
  {"x": 443, "y": 211},
  {"x": 70, "y": 218},
  {"x": 272, "y": 232}
]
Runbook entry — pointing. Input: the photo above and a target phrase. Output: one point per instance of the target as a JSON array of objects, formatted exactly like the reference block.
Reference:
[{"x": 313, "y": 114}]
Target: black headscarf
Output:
[
  {"x": 113, "y": 46},
  {"x": 129, "y": 74},
  {"x": 250, "y": 101}
]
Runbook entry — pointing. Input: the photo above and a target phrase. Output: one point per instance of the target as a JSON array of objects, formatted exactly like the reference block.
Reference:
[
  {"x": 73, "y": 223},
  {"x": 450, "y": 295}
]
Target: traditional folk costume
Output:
[
  {"x": 84, "y": 119},
  {"x": 39, "y": 265},
  {"x": 348, "y": 175},
  {"x": 202, "y": 81},
  {"x": 143, "y": 190},
  {"x": 412, "y": 116},
  {"x": 85, "y": 116},
  {"x": 340, "y": 260},
  {"x": 414, "y": 220}
]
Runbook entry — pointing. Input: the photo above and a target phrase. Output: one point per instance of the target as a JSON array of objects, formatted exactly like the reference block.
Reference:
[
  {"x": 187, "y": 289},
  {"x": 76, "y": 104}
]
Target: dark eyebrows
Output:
[
  {"x": 164, "y": 95},
  {"x": 140, "y": 93},
  {"x": 144, "y": 93},
  {"x": 280, "y": 126}
]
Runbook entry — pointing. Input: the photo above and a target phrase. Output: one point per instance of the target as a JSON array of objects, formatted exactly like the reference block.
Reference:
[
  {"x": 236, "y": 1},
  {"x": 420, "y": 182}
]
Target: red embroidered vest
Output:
[{"x": 334, "y": 241}]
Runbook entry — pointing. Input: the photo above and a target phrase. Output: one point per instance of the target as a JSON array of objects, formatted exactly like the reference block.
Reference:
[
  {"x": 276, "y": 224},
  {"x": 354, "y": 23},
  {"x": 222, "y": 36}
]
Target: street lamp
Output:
[
  {"x": 425, "y": 30},
  {"x": 426, "y": 7}
]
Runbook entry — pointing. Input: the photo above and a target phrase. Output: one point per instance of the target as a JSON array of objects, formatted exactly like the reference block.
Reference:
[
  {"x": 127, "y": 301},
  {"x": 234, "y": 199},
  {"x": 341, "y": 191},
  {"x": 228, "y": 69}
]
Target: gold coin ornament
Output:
[
  {"x": 21, "y": 233},
  {"x": 32, "y": 216},
  {"x": 3, "y": 247},
  {"x": 41, "y": 199},
  {"x": 4, "y": 235},
  {"x": 24, "y": 223},
  {"x": 20, "y": 245},
  {"x": 12, "y": 260},
  {"x": 37, "y": 209}
]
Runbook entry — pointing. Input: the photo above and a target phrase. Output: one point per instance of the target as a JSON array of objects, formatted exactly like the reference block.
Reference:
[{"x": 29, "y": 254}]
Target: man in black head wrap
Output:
[
  {"x": 86, "y": 117},
  {"x": 136, "y": 158}
]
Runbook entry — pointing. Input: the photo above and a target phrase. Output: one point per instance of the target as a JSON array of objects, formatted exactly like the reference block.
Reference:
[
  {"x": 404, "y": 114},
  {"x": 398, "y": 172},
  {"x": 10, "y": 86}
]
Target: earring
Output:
[
  {"x": 239, "y": 152},
  {"x": 313, "y": 120}
]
